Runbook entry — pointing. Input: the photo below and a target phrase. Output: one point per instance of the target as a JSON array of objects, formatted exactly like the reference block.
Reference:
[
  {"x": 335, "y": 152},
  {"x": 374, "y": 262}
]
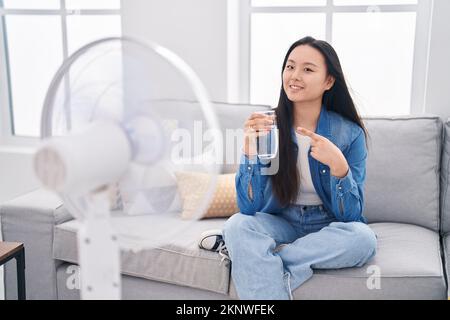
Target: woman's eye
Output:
[
  {"x": 308, "y": 70},
  {"x": 289, "y": 67}
]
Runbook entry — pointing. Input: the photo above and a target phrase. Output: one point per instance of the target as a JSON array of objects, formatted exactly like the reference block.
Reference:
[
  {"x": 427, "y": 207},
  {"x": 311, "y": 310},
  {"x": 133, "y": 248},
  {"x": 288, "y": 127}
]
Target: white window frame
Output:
[
  {"x": 239, "y": 40},
  {"x": 7, "y": 137}
]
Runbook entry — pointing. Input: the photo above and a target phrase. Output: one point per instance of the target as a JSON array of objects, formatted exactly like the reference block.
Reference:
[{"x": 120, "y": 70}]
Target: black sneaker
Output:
[{"x": 212, "y": 240}]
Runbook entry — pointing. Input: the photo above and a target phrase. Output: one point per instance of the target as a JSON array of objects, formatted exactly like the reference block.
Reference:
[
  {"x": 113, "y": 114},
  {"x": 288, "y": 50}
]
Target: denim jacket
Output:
[{"x": 342, "y": 197}]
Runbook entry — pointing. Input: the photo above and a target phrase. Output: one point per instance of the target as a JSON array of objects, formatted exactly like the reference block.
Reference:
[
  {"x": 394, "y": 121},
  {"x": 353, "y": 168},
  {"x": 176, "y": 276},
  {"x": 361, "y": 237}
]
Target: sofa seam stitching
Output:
[
  {"x": 439, "y": 140},
  {"x": 444, "y": 192}
]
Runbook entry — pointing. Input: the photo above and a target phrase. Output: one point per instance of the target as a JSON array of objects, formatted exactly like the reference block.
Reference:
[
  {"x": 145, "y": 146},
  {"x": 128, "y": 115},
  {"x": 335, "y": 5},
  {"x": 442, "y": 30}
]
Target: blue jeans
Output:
[{"x": 272, "y": 255}]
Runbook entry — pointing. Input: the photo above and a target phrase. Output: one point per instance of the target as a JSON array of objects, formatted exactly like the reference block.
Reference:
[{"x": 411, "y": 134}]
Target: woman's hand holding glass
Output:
[{"x": 259, "y": 124}]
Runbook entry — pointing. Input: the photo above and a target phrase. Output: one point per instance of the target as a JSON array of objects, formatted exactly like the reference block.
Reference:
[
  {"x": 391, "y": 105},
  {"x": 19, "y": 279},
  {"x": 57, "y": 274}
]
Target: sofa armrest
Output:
[{"x": 31, "y": 219}]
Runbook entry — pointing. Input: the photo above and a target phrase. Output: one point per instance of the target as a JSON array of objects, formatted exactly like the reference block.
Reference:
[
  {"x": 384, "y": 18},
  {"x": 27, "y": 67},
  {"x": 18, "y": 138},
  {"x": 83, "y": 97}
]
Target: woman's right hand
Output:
[{"x": 258, "y": 124}]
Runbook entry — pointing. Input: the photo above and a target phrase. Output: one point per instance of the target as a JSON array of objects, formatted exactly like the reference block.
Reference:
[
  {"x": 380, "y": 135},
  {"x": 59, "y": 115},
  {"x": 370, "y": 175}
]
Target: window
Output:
[
  {"x": 377, "y": 41},
  {"x": 37, "y": 36}
]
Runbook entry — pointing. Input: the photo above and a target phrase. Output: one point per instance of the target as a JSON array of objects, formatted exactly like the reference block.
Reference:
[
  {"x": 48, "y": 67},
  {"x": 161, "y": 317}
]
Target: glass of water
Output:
[{"x": 267, "y": 142}]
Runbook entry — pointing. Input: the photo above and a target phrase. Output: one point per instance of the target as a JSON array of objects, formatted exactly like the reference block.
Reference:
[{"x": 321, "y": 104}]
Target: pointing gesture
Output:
[
  {"x": 326, "y": 152},
  {"x": 309, "y": 133}
]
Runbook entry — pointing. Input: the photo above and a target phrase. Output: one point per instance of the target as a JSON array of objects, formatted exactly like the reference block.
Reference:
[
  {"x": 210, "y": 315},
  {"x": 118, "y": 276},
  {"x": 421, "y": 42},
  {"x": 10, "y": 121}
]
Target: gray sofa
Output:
[{"x": 407, "y": 205}]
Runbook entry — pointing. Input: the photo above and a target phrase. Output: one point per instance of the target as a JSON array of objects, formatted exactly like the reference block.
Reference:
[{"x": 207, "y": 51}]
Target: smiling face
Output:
[{"x": 305, "y": 76}]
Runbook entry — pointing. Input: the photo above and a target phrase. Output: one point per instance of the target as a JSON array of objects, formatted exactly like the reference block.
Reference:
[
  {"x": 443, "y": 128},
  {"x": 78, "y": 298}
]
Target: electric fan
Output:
[{"x": 121, "y": 117}]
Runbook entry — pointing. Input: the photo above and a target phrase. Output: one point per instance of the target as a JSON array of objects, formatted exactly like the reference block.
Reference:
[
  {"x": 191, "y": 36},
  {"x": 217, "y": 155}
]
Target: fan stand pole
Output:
[{"x": 99, "y": 253}]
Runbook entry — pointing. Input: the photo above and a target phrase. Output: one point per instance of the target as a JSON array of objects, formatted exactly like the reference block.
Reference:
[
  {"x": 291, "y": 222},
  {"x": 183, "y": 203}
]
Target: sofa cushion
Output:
[
  {"x": 408, "y": 260},
  {"x": 192, "y": 187},
  {"x": 445, "y": 181},
  {"x": 133, "y": 288},
  {"x": 403, "y": 170},
  {"x": 178, "y": 262}
]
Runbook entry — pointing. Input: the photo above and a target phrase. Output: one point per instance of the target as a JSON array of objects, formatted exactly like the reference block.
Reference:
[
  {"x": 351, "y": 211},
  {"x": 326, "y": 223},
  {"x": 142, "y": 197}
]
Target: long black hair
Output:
[{"x": 286, "y": 181}]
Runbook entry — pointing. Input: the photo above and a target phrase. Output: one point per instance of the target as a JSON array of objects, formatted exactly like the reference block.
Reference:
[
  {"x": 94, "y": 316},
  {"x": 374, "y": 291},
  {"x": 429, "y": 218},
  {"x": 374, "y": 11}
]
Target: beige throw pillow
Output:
[{"x": 193, "y": 185}]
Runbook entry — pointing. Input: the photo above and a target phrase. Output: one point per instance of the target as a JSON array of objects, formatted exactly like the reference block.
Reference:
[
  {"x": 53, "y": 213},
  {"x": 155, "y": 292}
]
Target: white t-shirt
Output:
[{"x": 307, "y": 194}]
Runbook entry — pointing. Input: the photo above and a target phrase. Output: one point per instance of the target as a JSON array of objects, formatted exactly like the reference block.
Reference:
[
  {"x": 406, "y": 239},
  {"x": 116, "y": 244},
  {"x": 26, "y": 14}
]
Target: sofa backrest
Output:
[
  {"x": 445, "y": 181},
  {"x": 403, "y": 168}
]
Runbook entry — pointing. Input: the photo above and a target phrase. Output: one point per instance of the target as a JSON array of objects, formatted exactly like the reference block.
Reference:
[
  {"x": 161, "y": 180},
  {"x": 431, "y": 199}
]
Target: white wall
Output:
[
  {"x": 438, "y": 84},
  {"x": 196, "y": 30}
]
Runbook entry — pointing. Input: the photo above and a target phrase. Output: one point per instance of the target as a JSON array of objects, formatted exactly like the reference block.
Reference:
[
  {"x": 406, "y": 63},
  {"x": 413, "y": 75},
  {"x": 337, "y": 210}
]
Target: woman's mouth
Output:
[{"x": 295, "y": 88}]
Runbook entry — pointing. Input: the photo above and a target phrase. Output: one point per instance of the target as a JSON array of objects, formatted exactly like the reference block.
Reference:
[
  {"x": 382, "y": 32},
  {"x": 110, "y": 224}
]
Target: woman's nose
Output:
[
  {"x": 296, "y": 79},
  {"x": 296, "y": 75}
]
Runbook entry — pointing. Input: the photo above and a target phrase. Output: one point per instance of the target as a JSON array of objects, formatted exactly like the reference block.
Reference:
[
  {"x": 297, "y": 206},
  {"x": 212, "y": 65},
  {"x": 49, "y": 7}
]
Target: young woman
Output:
[{"x": 309, "y": 214}]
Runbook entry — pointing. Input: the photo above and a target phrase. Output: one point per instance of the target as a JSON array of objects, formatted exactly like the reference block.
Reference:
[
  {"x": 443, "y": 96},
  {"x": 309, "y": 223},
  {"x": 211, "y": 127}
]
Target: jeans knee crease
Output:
[{"x": 287, "y": 280}]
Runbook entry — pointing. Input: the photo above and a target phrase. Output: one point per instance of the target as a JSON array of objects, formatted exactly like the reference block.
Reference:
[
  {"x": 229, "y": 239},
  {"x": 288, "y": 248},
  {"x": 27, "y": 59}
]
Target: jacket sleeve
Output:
[
  {"x": 347, "y": 193},
  {"x": 250, "y": 172}
]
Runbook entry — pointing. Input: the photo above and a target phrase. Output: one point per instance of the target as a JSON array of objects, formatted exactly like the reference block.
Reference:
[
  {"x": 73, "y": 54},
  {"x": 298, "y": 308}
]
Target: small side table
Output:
[{"x": 8, "y": 251}]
